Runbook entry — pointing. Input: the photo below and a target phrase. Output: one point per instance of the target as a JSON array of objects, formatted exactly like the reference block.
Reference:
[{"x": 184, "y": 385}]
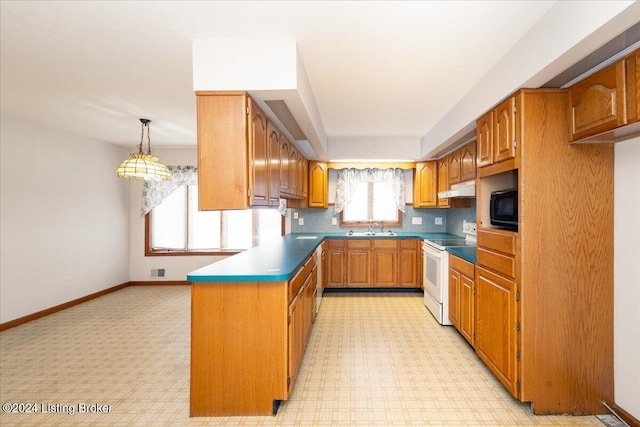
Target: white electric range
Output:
[{"x": 436, "y": 271}]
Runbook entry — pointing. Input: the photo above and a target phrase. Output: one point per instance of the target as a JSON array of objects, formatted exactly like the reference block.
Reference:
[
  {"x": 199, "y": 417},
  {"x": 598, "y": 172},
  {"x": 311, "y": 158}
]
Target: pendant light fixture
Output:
[{"x": 144, "y": 166}]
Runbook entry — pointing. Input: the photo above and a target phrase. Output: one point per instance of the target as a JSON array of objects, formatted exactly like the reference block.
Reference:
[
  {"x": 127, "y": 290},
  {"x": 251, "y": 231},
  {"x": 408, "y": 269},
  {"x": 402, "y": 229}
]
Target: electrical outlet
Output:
[
  {"x": 438, "y": 220},
  {"x": 67, "y": 282},
  {"x": 334, "y": 221},
  {"x": 300, "y": 221},
  {"x": 416, "y": 220}
]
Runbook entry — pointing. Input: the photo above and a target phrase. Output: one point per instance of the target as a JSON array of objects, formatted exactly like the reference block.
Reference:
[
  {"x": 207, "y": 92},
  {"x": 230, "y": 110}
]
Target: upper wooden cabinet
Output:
[
  {"x": 497, "y": 132},
  {"x": 443, "y": 181},
  {"x": 462, "y": 164},
  {"x": 318, "y": 185},
  {"x": 467, "y": 154},
  {"x": 604, "y": 107},
  {"x": 598, "y": 102},
  {"x": 240, "y": 155},
  {"x": 425, "y": 185}
]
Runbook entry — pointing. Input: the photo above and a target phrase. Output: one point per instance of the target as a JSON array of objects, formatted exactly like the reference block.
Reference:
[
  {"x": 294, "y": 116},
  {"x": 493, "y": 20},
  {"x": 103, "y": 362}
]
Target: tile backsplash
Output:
[{"x": 319, "y": 220}]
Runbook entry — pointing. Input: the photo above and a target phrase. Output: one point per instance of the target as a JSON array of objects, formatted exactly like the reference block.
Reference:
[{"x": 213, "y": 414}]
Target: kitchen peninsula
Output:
[{"x": 250, "y": 319}]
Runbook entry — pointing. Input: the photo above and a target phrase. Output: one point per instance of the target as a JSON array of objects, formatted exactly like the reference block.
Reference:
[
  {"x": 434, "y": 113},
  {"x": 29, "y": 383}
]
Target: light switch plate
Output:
[
  {"x": 334, "y": 221},
  {"x": 295, "y": 215},
  {"x": 438, "y": 220},
  {"x": 300, "y": 221},
  {"x": 416, "y": 220}
]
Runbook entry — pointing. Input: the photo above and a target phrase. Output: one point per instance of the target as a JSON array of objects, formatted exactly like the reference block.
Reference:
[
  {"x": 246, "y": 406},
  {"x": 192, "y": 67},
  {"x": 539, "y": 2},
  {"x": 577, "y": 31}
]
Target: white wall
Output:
[
  {"x": 64, "y": 218},
  {"x": 176, "y": 267},
  {"x": 627, "y": 276}
]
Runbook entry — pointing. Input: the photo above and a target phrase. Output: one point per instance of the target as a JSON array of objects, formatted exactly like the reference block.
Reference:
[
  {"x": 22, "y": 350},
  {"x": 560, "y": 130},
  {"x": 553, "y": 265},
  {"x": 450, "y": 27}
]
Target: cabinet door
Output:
[
  {"x": 468, "y": 162},
  {"x": 258, "y": 160},
  {"x": 410, "y": 267},
  {"x": 304, "y": 178},
  {"x": 496, "y": 339},
  {"x": 598, "y": 102},
  {"x": 359, "y": 267},
  {"x": 504, "y": 134},
  {"x": 294, "y": 170},
  {"x": 425, "y": 185},
  {"x": 318, "y": 183},
  {"x": 633, "y": 87},
  {"x": 273, "y": 146},
  {"x": 335, "y": 264},
  {"x": 443, "y": 180},
  {"x": 484, "y": 140},
  {"x": 454, "y": 298},
  {"x": 294, "y": 341},
  {"x": 454, "y": 167},
  {"x": 284, "y": 165},
  {"x": 385, "y": 268},
  {"x": 222, "y": 152},
  {"x": 466, "y": 309}
]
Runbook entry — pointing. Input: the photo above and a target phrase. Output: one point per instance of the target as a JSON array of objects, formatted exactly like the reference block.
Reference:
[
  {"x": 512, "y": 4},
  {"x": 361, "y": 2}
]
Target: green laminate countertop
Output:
[
  {"x": 467, "y": 253},
  {"x": 278, "y": 260}
]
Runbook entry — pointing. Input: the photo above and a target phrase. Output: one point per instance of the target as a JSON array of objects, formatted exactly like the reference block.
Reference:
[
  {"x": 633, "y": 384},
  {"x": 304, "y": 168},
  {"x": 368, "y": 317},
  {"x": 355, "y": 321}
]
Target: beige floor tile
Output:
[{"x": 373, "y": 359}]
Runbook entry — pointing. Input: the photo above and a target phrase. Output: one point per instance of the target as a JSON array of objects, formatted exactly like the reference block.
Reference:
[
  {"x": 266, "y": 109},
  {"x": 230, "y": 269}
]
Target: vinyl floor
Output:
[{"x": 373, "y": 359}]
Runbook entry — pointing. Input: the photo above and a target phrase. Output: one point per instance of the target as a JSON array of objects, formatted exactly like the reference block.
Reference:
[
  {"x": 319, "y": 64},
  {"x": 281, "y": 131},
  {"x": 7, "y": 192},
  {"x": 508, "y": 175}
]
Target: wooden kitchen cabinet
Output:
[
  {"x": 598, "y": 102},
  {"x": 425, "y": 185},
  {"x": 410, "y": 273},
  {"x": 359, "y": 263},
  {"x": 461, "y": 298},
  {"x": 382, "y": 262},
  {"x": 605, "y": 106},
  {"x": 497, "y": 138},
  {"x": 318, "y": 185},
  {"x": 497, "y": 327},
  {"x": 385, "y": 262},
  {"x": 443, "y": 180},
  {"x": 454, "y": 167},
  {"x": 237, "y": 162},
  {"x": 467, "y": 155},
  {"x": 273, "y": 164},
  {"x": 336, "y": 263},
  {"x": 537, "y": 327},
  {"x": 462, "y": 164},
  {"x": 259, "y": 153}
]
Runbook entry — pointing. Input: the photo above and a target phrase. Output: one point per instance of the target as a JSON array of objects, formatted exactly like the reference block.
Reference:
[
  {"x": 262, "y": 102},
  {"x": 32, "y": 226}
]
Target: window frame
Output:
[
  {"x": 148, "y": 251},
  {"x": 367, "y": 223}
]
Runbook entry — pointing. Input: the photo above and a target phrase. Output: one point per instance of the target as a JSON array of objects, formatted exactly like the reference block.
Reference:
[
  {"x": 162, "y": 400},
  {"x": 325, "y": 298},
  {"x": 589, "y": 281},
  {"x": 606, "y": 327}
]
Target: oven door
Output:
[{"x": 433, "y": 280}]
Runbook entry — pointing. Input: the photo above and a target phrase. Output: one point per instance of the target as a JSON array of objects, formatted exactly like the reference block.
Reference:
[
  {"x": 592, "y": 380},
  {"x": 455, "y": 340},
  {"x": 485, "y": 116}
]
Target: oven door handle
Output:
[{"x": 432, "y": 251}]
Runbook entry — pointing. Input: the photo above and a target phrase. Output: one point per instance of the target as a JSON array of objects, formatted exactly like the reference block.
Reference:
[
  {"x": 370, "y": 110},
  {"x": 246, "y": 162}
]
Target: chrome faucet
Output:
[{"x": 373, "y": 226}]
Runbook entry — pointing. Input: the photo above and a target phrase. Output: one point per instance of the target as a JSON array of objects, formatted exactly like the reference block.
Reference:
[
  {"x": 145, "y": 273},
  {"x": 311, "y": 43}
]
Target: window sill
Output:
[{"x": 192, "y": 253}]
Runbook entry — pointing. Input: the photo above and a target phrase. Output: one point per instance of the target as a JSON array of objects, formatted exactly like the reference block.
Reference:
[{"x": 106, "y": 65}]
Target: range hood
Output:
[{"x": 464, "y": 189}]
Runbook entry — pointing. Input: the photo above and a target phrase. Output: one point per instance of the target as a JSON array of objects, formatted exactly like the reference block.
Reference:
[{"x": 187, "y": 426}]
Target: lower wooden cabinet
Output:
[
  {"x": 335, "y": 263},
  {"x": 496, "y": 327},
  {"x": 364, "y": 263},
  {"x": 461, "y": 296},
  {"x": 359, "y": 263}
]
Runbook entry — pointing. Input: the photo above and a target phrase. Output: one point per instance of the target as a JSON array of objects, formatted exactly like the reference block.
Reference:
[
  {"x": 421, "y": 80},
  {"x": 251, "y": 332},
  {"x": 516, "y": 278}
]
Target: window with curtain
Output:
[
  {"x": 370, "y": 195},
  {"x": 175, "y": 226}
]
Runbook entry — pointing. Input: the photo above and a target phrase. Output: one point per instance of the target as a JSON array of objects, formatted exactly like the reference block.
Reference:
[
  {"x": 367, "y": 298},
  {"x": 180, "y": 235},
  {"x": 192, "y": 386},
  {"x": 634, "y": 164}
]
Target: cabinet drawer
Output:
[
  {"x": 358, "y": 243},
  {"x": 335, "y": 243},
  {"x": 499, "y": 241},
  {"x": 409, "y": 243},
  {"x": 495, "y": 261},
  {"x": 461, "y": 265},
  {"x": 296, "y": 283},
  {"x": 385, "y": 244}
]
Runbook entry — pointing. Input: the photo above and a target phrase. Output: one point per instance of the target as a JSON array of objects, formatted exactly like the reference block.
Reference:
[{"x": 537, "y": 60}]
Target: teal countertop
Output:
[
  {"x": 278, "y": 260},
  {"x": 465, "y": 252}
]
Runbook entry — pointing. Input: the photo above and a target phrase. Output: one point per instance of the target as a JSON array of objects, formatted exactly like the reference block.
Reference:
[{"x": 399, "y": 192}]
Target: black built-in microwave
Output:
[{"x": 504, "y": 209}]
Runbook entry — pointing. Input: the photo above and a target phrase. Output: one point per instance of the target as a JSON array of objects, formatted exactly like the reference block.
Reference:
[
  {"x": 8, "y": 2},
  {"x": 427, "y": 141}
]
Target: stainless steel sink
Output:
[{"x": 370, "y": 233}]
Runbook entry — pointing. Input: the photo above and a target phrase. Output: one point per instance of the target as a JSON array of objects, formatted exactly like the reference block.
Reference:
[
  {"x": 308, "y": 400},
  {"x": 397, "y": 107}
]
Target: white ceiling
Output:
[{"x": 378, "y": 70}]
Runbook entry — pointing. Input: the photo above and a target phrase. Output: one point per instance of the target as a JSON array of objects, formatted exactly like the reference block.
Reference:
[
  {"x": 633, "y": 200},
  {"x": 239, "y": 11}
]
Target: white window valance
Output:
[
  {"x": 348, "y": 178},
  {"x": 154, "y": 192}
]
